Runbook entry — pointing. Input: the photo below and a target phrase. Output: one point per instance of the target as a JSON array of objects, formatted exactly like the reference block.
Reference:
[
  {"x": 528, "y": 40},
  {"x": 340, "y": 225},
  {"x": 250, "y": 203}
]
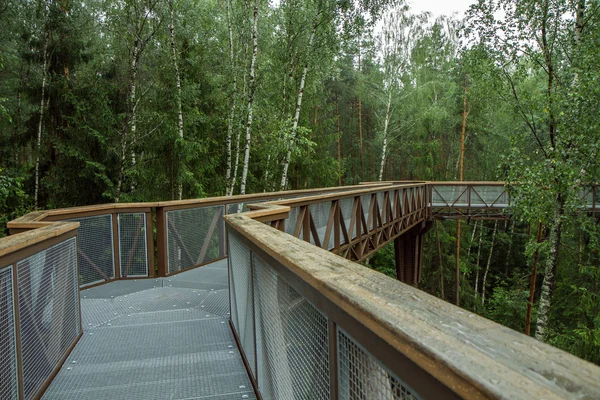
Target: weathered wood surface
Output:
[
  {"x": 473, "y": 356},
  {"x": 14, "y": 243}
]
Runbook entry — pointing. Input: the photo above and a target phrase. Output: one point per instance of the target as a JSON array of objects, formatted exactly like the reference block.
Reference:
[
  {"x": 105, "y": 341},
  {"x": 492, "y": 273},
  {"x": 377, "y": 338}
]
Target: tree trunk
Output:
[
  {"x": 457, "y": 267},
  {"x": 441, "y": 269},
  {"x": 178, "y": 94},
  {"x": 489, "y": 261},
  {"x": 476, "y": 288},
  {"x": 510, "y": 242},
  {"x": 549, "y": 273},
  {"x": 288, "y": 156},
  {"x": 471, "y": 242},
  {"x": 251, "y": 87},
  {"x": 339, "y": 140},
  {"x": 131, "y": 124},
  {"x": 386, "y": 125},
  {"x": 40, "y": 124},
  {"x": 360, "y": 132},
  {"x": 532, "y": 283},
  {"x": 460, "y": 178},
  {"x": 228, "y": 176}
]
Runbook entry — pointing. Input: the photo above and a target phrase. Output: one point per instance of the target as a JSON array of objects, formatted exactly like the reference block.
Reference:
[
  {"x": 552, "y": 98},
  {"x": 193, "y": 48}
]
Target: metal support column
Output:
[{"x": 408, "y": 251}]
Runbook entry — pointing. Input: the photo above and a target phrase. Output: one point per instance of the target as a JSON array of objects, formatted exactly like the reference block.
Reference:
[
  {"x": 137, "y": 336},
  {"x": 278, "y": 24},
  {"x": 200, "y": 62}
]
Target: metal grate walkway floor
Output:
[{"x": 165, "y": 338}]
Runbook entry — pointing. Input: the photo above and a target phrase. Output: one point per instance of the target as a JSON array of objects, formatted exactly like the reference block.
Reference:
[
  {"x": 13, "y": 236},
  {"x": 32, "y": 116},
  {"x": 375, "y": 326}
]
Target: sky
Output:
[{"x": 439, "y": 7}]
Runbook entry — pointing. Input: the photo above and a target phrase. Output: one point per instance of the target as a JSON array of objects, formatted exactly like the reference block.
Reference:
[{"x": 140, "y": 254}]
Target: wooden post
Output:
[
  {"x": 408, "y": 251},
  {"x": 116, "y": 246},
  {"x": 16, "y": 310},
  {"x": 150, "y": 243},
  {"x": 161, "y": 241}
]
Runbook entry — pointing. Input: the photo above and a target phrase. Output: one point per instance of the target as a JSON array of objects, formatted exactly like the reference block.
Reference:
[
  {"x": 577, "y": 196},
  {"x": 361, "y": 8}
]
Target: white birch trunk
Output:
[
  {"x": 40, "y": 124},
  {"x": 471, "y": 244},
  {"x": 512, "y": 232},
  {"x": 228, "y": 178},
  {"x": 178, "y": 86},
  {"x": 487, "y": 267},
  {"x": 288, "y": 156},
  {"x": 478, "y": 261},
  {"x": 549, "y": 275},
  {"x": 385, "y": 134},
  {"x": 251, "y": 85},
  {"x": 131, "y": 126}
]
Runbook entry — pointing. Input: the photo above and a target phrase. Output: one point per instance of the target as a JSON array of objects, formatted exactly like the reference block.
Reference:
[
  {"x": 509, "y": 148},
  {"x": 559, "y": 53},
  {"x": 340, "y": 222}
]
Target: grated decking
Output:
[{"x": 166, "y": 338}]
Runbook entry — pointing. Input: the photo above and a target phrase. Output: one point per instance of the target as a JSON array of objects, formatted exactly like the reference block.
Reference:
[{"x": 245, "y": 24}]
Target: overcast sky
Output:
[{"x": 438, "y": 7}]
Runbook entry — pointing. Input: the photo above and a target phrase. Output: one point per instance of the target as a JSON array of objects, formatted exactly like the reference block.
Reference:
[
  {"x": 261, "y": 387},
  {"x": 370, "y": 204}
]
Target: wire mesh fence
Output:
[
  {"x": 362, "y": 377},
  {"x": 291, "y": 340},
  {"x": 49, "y": 314},
  {"x": 95, "y": 251},
  {"x": 195, "y": 236},
  {"x": 133, "y": 247},
  {"x": 320, "y": 214},
  {"x": 8, "y": 345},
  {"x": 241, "y": 294},
  {"x": 288, "y": 341}
]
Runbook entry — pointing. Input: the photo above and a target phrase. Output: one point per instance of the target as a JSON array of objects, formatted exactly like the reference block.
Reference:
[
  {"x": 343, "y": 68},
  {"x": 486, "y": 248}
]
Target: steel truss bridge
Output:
[{"x": 259, "y": 297}]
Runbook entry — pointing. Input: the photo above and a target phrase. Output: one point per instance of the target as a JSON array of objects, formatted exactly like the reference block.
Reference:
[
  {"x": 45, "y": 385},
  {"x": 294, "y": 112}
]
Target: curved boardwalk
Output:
[{"x": 163, "y": 338}]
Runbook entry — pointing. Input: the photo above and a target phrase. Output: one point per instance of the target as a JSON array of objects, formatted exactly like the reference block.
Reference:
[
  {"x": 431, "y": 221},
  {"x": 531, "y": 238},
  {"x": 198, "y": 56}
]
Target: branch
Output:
[{"x": 525, "y": 118}]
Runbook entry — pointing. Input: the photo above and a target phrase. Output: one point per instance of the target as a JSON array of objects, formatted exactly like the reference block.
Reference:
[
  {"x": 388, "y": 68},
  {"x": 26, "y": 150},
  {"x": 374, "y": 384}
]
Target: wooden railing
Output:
[
  {"x": 354, "y": 224},
  {"x": 372, "y": 336},
  {"x": 40, "y": 320},
  {"x": 402, "y": 337}
]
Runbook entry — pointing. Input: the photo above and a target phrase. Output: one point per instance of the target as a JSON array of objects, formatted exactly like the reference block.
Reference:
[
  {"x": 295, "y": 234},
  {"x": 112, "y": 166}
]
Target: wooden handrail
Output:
[{"x": 469, "y": 355}]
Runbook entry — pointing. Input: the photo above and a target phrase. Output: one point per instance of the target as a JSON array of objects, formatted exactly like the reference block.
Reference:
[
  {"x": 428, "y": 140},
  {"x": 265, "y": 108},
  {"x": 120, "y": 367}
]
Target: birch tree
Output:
[
  {"x": 548, "y": 162},
  {"x": 38, "y": 146},
  {"x": 177, "y": 88},
  {"x": 399, "y": 34},
  {"x": 229, "y": 178},
  {"x": 142, "y": 21},
  {"x": 251, "y": 89}
]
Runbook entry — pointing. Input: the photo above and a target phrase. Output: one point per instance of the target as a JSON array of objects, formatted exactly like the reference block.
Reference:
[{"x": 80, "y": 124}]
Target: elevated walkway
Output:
[
  {"x": 194, "y": 300},
  {"x": 166, "y": 338}
]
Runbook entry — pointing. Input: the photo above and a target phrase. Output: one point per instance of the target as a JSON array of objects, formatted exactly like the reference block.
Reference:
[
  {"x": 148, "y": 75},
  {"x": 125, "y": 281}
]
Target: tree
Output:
[{"x": 536, "y": 57}]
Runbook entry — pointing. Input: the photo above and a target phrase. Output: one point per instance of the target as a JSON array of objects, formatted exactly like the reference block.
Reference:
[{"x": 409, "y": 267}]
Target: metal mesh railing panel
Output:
[
  {"x": 291, "y": 340},
  {"x": 290, "y": 222},
  {"x": 194, "y": 236},
  {"x": 95, "y": 251},
  {"x": 450, "y": 195},
  {"x": 489, "y": 196},
  {"x": 380, "y": 197},
  {"x": 346, "y": 208},
  {"x": 240, "y": 287},
  {"x": 8, "y": 352},
  {"x": 49, "y": 311},
  {"x": 133, "y": 248},
  {"x": 365, "y": 202},
  {"x": 362, "y": 377},
  {"x": 320, "y": 214}
]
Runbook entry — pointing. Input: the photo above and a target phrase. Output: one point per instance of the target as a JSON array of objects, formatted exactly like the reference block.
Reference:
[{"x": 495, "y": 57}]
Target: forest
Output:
[{"x": 143, "y": 100}]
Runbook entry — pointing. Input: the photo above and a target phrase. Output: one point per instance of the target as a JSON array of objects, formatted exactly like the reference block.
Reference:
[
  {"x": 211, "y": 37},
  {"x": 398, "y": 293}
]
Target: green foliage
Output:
[
  {"x": 13, "y": 199},
  {"x": 351, "y": 73}
]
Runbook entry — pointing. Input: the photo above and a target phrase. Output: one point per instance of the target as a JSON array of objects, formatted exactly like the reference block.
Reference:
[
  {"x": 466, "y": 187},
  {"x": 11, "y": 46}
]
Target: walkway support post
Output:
[{"x": 408, "y": 251}]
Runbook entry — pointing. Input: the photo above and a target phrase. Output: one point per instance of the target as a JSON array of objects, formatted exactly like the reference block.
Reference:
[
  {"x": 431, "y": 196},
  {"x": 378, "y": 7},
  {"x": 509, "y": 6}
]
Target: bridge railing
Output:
[
  {"x": 40, "y": 318},
  {"x": 191, "y": 233},
  {"x": 357, "y": 223},
  {"x": 311, "y": 324},
  {"x": 486, "y": 200},
  {"x": 468, "y": 199},
  {"x": 115, "y": 241}
]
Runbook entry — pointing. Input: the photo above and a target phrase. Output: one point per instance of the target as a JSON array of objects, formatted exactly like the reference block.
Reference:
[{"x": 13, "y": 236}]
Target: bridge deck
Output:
[{"x": 165, "y": 338}]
